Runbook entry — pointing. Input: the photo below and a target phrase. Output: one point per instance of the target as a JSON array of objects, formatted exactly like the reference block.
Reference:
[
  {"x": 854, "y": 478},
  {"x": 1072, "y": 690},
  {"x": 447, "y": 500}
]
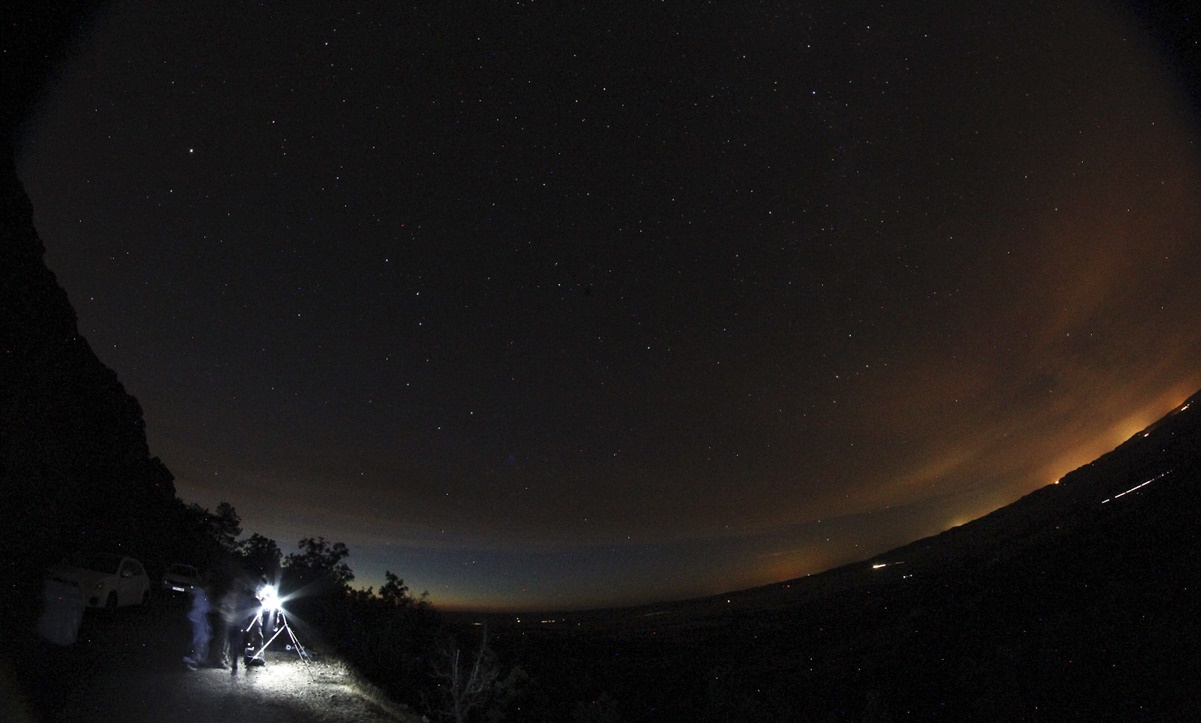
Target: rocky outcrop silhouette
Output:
[{"x": 75, "y": 469}]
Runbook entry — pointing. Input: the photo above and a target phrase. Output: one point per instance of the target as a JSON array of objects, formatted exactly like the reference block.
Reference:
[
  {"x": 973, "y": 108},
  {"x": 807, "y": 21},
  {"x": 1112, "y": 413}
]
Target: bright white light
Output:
[{"x": 270, "y": 598}]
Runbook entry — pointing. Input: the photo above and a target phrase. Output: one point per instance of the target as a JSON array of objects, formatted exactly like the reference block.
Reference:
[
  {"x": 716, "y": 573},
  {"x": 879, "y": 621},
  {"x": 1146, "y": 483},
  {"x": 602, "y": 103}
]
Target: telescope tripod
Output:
[{"x": 281, "y": 627}]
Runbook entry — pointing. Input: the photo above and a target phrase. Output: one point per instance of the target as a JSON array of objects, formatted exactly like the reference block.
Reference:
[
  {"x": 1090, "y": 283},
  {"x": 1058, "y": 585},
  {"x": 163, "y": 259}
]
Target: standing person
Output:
[
  {"x": 198, "y": 614},
  {"x": 240, "y": 609},
  {"x": 220, "y": 618}
]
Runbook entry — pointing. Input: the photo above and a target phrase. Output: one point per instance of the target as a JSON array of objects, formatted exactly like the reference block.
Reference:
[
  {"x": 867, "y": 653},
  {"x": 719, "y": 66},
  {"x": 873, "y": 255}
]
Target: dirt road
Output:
[{"x": 127, "y": 666}]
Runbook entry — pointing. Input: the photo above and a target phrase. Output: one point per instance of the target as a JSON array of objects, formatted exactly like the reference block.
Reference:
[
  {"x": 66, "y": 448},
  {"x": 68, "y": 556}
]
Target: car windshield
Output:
[
  {"x": 181, "y": 570},
  {"x": 103, "y": 563}
]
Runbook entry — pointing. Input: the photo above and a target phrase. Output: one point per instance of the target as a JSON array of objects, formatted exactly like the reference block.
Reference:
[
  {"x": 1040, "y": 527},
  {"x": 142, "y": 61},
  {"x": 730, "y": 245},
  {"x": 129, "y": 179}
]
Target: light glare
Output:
[{"x": 269, "y": 598}]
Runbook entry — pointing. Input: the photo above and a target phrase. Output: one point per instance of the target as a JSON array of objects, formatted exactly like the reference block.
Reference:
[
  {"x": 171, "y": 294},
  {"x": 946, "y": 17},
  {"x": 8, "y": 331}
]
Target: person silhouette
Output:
[
  {"x": 241, "y": 611},
  {"x": 201, "y": 631}
]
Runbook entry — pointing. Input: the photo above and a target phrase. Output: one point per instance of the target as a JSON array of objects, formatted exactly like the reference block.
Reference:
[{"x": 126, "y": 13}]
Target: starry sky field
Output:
[{"x": 548, "y": 305}]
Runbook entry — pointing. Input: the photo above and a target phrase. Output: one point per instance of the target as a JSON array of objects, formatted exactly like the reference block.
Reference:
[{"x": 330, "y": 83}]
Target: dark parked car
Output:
[{"x": 179, "y": 579}]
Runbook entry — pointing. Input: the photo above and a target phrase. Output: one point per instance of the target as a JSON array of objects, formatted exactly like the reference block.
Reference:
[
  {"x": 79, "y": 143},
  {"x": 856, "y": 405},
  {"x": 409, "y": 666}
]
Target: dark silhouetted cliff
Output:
[{"x": 75, "y": 470}]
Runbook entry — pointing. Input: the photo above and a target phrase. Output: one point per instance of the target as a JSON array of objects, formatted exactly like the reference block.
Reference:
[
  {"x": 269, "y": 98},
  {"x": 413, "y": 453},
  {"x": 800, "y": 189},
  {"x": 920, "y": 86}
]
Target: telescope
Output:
[{"x": 272, "y": 608}]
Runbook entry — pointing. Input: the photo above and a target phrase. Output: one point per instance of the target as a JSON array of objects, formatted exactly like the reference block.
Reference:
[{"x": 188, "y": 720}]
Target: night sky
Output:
[{"x": 545, "y": 305}]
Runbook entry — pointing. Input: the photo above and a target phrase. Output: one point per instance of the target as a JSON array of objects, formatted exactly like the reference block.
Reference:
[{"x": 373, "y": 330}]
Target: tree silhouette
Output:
[
  {"x": 226, "y": 526},
  {"x": 260, "y": 556},
  {"x": 320, "y": 566},
  {"x": 394, "y": 591}
]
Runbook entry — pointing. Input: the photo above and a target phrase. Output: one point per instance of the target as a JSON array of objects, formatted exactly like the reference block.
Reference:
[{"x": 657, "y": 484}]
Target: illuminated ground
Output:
[{"x": 127, "y": 667}]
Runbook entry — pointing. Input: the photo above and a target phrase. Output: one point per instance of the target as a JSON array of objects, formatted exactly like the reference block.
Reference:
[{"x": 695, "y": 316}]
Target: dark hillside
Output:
[{"x": 1061, "y": 606}]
